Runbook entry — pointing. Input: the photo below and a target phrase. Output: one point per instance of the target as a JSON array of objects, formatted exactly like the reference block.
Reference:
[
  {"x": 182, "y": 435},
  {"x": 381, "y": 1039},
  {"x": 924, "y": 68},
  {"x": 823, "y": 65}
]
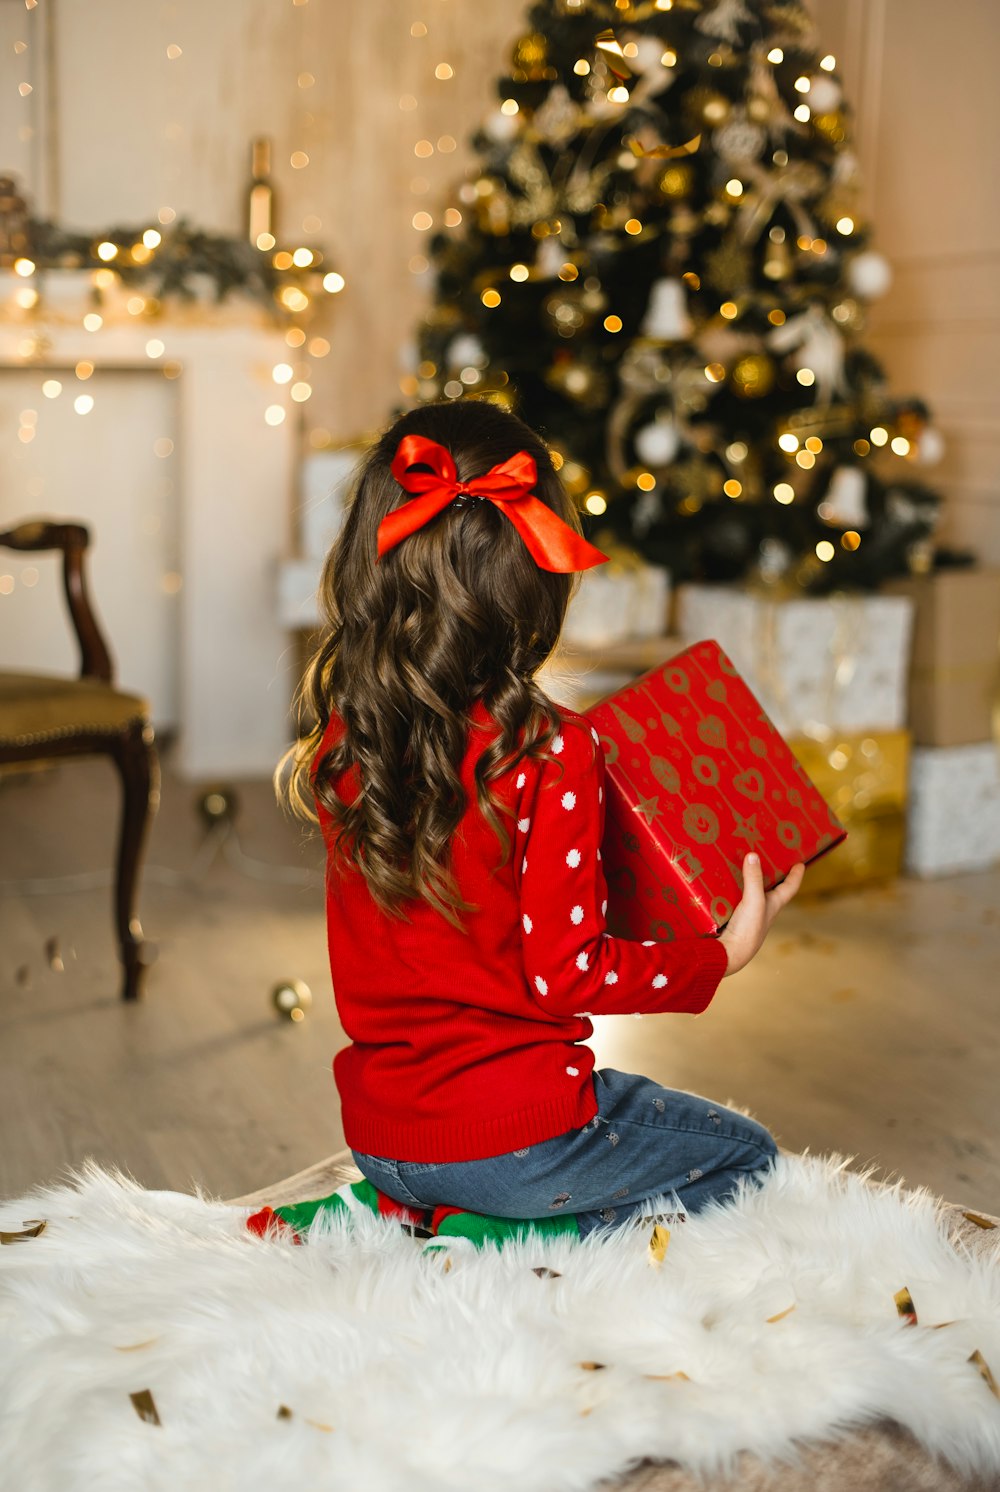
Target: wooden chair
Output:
[{"x": 46, "y": 716}]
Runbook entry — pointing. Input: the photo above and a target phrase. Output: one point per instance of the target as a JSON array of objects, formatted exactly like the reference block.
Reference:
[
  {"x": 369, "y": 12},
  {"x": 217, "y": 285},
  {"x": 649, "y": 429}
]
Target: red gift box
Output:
[{"x": 698, "y": 776}]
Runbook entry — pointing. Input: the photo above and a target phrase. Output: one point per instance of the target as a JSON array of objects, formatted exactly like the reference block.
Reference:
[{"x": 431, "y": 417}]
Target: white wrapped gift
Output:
[
  {"x": 953, "y": 818},
  {"x": 615, "y": 602},
  {"x": 816, "y": 663}
]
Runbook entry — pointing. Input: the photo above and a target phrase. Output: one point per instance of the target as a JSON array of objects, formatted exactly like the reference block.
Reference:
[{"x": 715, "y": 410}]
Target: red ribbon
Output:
[{"x": 551, "y": 542}]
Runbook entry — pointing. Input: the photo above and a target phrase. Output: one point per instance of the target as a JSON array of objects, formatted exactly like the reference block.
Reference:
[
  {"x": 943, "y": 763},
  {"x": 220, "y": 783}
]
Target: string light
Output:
[
  {"x": 669, "y": 58},
  {"x": 633, "y": 227},
  {"x": 52, "y": 388},
  {"x": 510, "y": 107},
  {"x": 298, "y": 160},
  {"x": 282, "y": 373},
  {"x": 163, "y": 447},
  {"x": 302, "y": 257},
  {"x": 452, "y": 217},
  {"x": 775, "y": 55},
  {"x": 274, "y": 414},
  {"x": 333, "y": 282},
  {"x": 490, "y": 299},
  {"x": 155, "y": 348},
  {"x": 581, "y": 67},
  {"x": 851, "y": 539},
  {"x": 715, "y": 372},
  {"x": 519, "y": 273},
  {"x": 878, "y": 436},
  {"x": 596, "y": 503},
  {"x": 729, "y": 310},
  {"x": 738, "y": 451},
  {"x": 803, "y": 113},
  {"x": 805, "y": 459},
  {"x": 862, "y": 448},
  {"x": 107, "y": 250},
  {"x": 418, "y": 29},
  {"x": 828, "y": 63},
  {"x": 612, "y": 323},
  {"x": 732, "y": 488},
  {"x": 788, "y": 441},
  {"x": 83, "y": 370},
  {"x": 446, "y": 144},
  {"x": 802, "y": 85},
  {"x": 24, "y": 267},
  {"x": 423, "y": 149},
  {"x": 83, "y": 403},
  {"x": 93, "y": 321},
  {"x": 900, "y": 445},
  {"x": 319, "y": 347},
  {"x": 825, "y": 551},
  {"x": 301, "y": 392},
  {"x": 845, "y": 225},
  {"x": 734, "y": 187},
  {"x": 645, "y": 481},
  {"x": 618, "y": 95},
  {"x": 444, "y": 71},
  {"x": 784, "y": 493}
]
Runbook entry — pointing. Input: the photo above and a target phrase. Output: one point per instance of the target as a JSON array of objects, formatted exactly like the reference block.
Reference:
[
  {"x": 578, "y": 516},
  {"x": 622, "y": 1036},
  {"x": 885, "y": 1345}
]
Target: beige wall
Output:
[{"x": 922, "y": 79}]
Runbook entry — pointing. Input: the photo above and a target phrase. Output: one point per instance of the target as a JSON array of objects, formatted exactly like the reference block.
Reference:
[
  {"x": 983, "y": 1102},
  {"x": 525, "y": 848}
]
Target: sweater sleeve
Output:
[{"x": 573, "y": 965}]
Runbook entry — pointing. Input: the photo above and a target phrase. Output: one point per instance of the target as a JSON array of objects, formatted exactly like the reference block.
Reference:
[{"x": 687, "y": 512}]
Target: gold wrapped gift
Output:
[{"x": 863, "y": 777}]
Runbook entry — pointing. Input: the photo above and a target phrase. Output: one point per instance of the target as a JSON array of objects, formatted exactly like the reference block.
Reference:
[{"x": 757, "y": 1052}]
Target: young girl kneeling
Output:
[{"x": 463, "y": 813}]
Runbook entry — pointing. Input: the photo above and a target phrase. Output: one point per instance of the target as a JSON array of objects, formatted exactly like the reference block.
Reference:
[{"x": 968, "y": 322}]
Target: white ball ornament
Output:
[
  {"x": 824, "y": 95},
  {"x": 465, "y": 349},
  {"x": 930, "y": 446},
  {"x": 501, "y": 127},
  {"x": 869, "y": 274},
  {"x": 658, "y": 443}
]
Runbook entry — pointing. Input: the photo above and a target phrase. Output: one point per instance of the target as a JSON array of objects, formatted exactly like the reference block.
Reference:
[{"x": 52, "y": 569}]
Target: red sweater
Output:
[{"x": 468, "y": 1044}]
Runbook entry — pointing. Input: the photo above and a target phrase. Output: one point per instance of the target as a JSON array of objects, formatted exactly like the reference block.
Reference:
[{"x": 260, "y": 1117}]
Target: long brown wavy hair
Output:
[{"x": 457, "y": 611}]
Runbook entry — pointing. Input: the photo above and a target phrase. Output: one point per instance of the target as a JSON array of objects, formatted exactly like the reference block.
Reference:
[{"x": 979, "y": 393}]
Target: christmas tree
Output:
[{"x": 661, "y": 265}]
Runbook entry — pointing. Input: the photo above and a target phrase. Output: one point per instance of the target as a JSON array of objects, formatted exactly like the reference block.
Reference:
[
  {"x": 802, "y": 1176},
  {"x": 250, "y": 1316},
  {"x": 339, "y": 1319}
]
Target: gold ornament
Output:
[
  {"x": 530, "y": 57},
  {"x": 831, "y": 126},
  {"x": 707, "y": 106},
  {"x": 753, "y": 376},
  {"x": 727, "y": 268},
  {"x": 677, "y": 180}
]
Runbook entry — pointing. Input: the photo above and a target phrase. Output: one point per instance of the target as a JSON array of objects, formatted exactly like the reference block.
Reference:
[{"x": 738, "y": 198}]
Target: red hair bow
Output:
[{"x": 551, "y": 542}]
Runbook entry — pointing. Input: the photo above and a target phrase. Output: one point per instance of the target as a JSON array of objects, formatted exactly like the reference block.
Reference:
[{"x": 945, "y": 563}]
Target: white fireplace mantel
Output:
[{"x": 236, "y": 476}]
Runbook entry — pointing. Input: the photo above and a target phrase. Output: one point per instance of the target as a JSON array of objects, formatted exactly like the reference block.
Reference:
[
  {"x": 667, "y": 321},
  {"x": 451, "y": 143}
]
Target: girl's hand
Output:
[{"x": 749, "y": 925}]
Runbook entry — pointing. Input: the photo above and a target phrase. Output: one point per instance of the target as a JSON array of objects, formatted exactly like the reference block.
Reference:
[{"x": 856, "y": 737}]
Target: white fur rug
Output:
[{"x": 358, "y": 1362}]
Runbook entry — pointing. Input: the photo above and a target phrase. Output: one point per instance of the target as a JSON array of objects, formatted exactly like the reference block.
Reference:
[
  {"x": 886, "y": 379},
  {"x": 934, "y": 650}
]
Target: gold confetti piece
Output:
[
  {"x": 593, "y": 1367},
  {"x": 319, "y": 1425},
  {"x": 905, "y": 1306},
  {"x": 546, "y": 1274},
  {"x": 667, "y": 1377},
  {"x": 137, "y": 1346},
  {"x": 979, "y": 1220},
  {"x": 142, "y": 1403},
  {"x": 664, "y": 152},
  {"x": 983, "y": 1368},
  {"x": 608, "y": 43},
  {"x": 780, "y": 1315},
  {"x": 32, "y": 1229},
  {"x": 659, "y": 1241},
  {"x": 284, "y": 1412}
]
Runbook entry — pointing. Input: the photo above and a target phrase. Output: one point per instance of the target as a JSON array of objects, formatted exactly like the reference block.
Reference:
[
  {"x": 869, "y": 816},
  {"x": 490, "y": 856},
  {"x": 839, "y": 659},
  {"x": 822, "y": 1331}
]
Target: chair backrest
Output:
[{"x": 72, "y": 539}]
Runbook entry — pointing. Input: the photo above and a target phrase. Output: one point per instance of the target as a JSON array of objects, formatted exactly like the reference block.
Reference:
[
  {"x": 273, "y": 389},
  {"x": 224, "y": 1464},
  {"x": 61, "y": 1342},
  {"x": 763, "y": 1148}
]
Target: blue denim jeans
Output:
[{"x": 645, "y": 1141}]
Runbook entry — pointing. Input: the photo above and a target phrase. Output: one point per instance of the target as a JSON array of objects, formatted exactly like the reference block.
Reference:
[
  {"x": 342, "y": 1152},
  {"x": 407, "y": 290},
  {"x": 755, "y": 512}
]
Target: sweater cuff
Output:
[{"x": 705, "y": 979}]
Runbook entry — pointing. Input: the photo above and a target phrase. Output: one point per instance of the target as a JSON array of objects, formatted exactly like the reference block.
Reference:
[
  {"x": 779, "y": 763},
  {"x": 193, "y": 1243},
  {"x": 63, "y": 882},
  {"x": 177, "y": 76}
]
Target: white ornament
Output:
[
  {"x": 930, "y": 446},
  {"x": 824, "y": 95},
  {"x": 501, "y": 127},
  {"x": 466, "y": 349},
  {"x": 818, "y": 346},
  {"x": 657, "y": 444},
  {"x": 649, "y": 55},
  {"x": 844, "y": 503},
  {"x": 869, "y": 274},
  {"x": 550, "y": 258},
  {"x": 724, "y": 19},
  {"x": 667, "y": 318}
]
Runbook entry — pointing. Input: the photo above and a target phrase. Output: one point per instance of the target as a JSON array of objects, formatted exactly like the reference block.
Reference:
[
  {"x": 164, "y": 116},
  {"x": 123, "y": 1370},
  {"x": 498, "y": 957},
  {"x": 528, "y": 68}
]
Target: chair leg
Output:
[{"x": 138, "y": 766}]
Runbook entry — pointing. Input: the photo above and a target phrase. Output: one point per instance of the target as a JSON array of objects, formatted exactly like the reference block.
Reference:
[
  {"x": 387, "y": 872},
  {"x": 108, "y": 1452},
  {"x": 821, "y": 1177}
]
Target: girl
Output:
[{"x": 462, "y": 812}]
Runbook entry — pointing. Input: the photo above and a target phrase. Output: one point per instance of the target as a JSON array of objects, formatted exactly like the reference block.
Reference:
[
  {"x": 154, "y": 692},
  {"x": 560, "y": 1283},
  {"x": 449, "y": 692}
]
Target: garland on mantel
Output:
[{"x": 177, "y": 260}]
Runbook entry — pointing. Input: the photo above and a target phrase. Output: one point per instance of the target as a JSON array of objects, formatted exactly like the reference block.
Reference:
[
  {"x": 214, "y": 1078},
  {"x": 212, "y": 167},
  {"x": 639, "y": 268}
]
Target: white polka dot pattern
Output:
[
  {"x": 540, "y": 985},
  {"x": 557, "y": 745},
  {"x": 574, "y": 1072},
  {"x": 573, "y": 858},
  {"x": 524, "y": 864},
  {"x": 611, "y": 977},
  {"x": 528, "y": 924},
  {"x": 568, "y": 801},
  {"x": 524, "y": 825},
  {"x": 521, "y": 779},
  {"x": 582, "y": 962},
  {"x": 659, "y": 980},
  {"x": 648, "y": 942},
  {"x": 604, "y": 907},
  {"x": 576, "y": 916}
]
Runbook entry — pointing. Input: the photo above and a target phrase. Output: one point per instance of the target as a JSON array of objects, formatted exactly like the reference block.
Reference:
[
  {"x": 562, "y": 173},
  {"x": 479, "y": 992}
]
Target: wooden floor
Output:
[{"x": 870, "y": 1024}]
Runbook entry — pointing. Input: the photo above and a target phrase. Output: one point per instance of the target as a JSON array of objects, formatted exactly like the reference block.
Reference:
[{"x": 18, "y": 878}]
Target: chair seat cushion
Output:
[{"x": 40, "y": 707}]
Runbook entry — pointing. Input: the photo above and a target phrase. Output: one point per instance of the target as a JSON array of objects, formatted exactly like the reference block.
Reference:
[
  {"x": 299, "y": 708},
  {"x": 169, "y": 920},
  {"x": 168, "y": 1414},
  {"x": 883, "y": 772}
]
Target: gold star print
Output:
[
  {"x": 746, "y": 828},
  {"x": 649, "y": 808}
]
